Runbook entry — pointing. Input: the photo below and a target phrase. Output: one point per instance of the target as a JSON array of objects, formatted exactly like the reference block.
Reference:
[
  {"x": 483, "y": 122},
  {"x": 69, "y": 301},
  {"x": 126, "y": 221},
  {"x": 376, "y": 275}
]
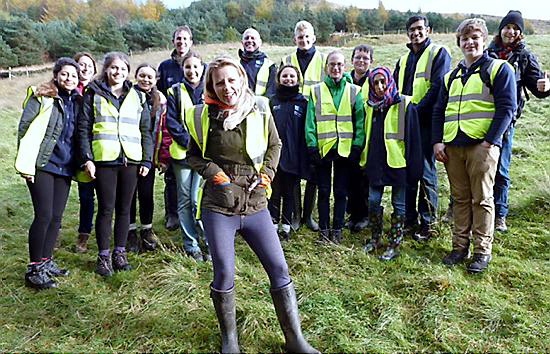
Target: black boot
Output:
[
  {"x": 336, "y": 236},
  {"x": 396, "y": 237},
  {"x": 310, "y": 197},
  {"x": 324, "y": 236},
  {"x": 375, "y": 222},
  {"x": 36, "y": 277},
  {"x": 286, "y": 307},
  {"x": 224, "y": 304},
  {"x": 148, "y": 239},
  {"x": 132, "y": 242}
]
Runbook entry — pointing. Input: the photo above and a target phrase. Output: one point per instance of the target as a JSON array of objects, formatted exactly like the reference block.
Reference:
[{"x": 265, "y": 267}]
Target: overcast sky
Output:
[{"x": 531, "y": 9}]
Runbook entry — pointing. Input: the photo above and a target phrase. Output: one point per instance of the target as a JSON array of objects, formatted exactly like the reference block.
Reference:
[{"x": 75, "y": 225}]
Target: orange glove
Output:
[
  {"x": 266, "y": 181},
  {"x": 221, "y": 179}
]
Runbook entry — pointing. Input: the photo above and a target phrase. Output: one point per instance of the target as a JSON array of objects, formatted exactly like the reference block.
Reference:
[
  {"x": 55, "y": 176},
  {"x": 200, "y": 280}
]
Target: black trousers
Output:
[
  {"x": 144, "y": 193},
  {"x": 283, "y": 189}
]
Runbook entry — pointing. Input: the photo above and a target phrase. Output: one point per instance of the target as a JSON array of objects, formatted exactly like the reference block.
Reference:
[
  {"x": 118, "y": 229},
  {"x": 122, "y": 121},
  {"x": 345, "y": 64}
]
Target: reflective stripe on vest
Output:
[
  {"x": 470, "y": 107},
  {"x": 314, "y": 73},
  {"x": 394, "y": 133},
  {"x": 115, "y": 129},
  {"x": 262, "y": 78},
  {"x": 257, "y": 129},
  {"x": 423, "y": 72},
  {"x": 29, "y": 144},
  {"x": 334, "y": 126},
  {"x": 178, "y": 152}
]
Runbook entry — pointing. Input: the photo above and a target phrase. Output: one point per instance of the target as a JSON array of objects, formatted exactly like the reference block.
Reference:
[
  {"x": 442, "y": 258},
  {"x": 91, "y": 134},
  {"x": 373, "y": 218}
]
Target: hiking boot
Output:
[
  {"x": 104, "y": 267},
  {"x": 51, "y": 268},
  {"x": 479, "y": 263},
  {"x": 336, "y": 236},
  {"x": 207, "y": 256},
  {"x": 120, "y": 261},
  {"x": 360, "y": 225},
  {"x": 82, "y": 243},
  {"x": 411, "y": 228},
  {"x": 448, "y": 217},
  {"x": 284, "y": 232},
  {"x": 132, "y": 242},
  {"x": 196, "y": 255},
  {"x": 37, "y": 278},
  {"x": 310, "y": 223},
  {"x": 172, "y": 222},
  {"x": 425, "y": 233},
  {"x": 148, "y": 239},
  {"x": 456, "y": 257},
  {"x": 500, "y": 224},
  {"x": 324, "y": 236}
]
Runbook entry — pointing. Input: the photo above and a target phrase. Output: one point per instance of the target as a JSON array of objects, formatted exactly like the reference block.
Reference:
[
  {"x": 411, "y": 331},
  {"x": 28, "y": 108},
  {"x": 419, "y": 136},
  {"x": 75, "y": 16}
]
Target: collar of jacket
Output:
[
  {"x": 248, "y": 56},
  {"x": 340, "y": 84},
  {"x": 426, "y": 43}
]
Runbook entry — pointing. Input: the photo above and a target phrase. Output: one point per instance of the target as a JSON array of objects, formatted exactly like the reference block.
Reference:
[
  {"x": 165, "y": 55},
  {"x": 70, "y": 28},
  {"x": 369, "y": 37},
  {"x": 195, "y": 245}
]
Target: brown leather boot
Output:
[{"x": 82, "y": 243}]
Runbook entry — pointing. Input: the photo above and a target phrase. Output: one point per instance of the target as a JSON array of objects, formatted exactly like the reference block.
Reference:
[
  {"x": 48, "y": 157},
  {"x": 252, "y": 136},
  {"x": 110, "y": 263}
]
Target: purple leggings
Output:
[{"x": 260, "y": 234}]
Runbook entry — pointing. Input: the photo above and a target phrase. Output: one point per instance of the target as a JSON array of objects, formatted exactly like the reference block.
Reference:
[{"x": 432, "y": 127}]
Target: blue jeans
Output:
[
  {"x": 397, "y": 199},
  {"x": 260, "y": 234},
  {"x": 86, "y": 193},
  {"x": 427, "y": 193},
  {"x": 502, "y": 178},
  {"x": 187, "y": 183}
]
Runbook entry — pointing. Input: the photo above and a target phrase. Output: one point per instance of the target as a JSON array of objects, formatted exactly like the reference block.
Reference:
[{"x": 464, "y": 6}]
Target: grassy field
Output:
[{"x": 349, "y": 301}]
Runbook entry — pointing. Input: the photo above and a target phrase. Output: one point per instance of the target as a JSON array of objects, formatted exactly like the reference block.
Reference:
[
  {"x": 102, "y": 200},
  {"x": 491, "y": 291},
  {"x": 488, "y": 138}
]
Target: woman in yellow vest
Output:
[
  {"x": 181, "y": 96},
  {"x": 235, "y": 148},
  {"x": 46, "y": 160},
  {"x": 334, "y": 137},
  {"x": 115, "y": 146},
  {"x": 392, "y": 155}
]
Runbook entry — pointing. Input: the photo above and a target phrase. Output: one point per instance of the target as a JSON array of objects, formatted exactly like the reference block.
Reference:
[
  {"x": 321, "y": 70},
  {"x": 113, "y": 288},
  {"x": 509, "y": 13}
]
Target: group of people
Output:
[{"x": 235, "y": 138}]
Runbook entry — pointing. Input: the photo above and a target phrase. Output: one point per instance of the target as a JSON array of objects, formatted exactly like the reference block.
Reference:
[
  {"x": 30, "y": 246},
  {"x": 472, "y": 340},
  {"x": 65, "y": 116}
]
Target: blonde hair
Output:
[
  {"x": 246, "y": 101},
  {"x": 470, "y": 25},
  {"x": 302, "y": 26}
]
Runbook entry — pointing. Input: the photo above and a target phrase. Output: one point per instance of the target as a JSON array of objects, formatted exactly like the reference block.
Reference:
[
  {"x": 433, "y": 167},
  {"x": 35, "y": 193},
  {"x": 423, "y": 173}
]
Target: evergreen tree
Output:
[
  {"x": 25, "y": 42},
  {"x": 109, "y": 36},
  {"x": 7, "y": 57}
]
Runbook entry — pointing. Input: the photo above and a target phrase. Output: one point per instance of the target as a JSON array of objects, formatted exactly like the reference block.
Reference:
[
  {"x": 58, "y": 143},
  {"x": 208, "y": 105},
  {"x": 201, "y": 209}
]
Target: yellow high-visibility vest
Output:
[
  {"x": 471, "y": 106},
  {"x": 178, "y": 152},
  {"x": 114, "y": 129},
  {"x": 394, "y": 133},
  {"x": 423, "y": 72},
  {"x": 262, "y": 78},
  {"x": 334, "y": 126},
  {"x": 314, "y": 73}
]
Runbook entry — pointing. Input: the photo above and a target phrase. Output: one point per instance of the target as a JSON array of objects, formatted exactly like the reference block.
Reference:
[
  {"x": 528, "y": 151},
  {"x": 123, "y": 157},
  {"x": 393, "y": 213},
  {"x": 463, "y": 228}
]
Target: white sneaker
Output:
[{"x": 500, "y": 224}]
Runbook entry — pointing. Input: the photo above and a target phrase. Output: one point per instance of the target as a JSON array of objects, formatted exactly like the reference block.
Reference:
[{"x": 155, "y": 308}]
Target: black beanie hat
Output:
[{"x": 514, "y": 17}]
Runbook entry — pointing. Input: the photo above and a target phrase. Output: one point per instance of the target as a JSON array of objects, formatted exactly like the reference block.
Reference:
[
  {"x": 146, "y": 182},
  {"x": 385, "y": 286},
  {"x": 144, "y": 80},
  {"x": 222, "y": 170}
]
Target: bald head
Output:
[{"x": 251, "y": 40}]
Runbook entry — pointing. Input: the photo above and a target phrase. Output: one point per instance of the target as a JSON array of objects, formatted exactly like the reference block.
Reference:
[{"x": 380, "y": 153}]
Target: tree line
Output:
[{"x": 37, "y": 31}]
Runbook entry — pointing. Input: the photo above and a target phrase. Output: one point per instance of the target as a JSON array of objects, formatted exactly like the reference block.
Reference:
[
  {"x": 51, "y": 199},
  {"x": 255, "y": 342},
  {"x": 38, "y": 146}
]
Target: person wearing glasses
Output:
[{"x": 419, "y": 74}]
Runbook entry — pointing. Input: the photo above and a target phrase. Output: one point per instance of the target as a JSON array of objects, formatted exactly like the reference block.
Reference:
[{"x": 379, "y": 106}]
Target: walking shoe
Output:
[
  {"x": 82, "y": 243},
  {"x": 411, "y": 228},
  {"x": 120, "y": 261},
  {"x": 172, "y": 222},
  {"x": 196, "y": 255},
  {"x": 360, "y": 225},
  {"x": 371, "y": 245},
  {"x": 37, "y": 278},
  {"x": 207, "y": 256},
  {"x": 284, "y": 232},
  {"x": 103, "y": 266},
  {"x": 390, "y": 253},
  {"x": 51, "y": 268},
  {"x": 448, "y": 217},
  {"x": 148, "y": 239},
  {"x": 336, "y": 236},
  {"x": 479, "y": 263},
  {"x": 425, "y": 233},
  {"x": 500, "y": 224},
  {"x": 132, "y": 242},
  {"x": 311, "y": 224},
  {"x": 456, "y": 257},
  {"x": 324, "y": 236}
]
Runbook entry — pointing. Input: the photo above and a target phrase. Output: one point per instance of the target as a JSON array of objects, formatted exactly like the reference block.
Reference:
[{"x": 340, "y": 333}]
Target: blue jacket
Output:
[
  {"x": 377, "y": 169},
  {"x": 289, "y": 109},
  {"x": 504, "y": 93},
  {"x": 252, "y": 62},
  {"x": 169, "y": 73},
  {"x": 441, "y": 65}
]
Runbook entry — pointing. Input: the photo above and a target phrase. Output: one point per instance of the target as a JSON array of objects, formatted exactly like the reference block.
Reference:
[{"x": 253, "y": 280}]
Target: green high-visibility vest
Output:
[
  {"x": 114, "y": 129},
  {"x": 394, "y": 133},
  {"x": 178, "y": 152},
  {"x": 423, "y": 73},
  {"x": 314, "y": 73},
  {"x": 29, "y": 144},
  {"x": 471, "y": 106},
  {"x": 334, "y": 126},
  {"x": 263, "y": 77},
  {"x": 257, "y": 129}
]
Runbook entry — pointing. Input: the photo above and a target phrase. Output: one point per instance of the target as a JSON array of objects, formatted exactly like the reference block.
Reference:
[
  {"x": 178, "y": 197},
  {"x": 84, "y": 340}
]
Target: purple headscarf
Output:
[{"x": 390, "y": 96}]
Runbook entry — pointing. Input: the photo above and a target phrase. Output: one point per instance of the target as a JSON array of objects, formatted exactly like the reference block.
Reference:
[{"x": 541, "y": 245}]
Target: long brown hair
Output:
[{"x": 154, "y": 91}]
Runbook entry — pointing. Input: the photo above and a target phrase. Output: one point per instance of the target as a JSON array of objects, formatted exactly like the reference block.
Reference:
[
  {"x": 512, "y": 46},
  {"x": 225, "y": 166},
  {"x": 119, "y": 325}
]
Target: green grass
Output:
[{"x": 349, "y": 301}]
